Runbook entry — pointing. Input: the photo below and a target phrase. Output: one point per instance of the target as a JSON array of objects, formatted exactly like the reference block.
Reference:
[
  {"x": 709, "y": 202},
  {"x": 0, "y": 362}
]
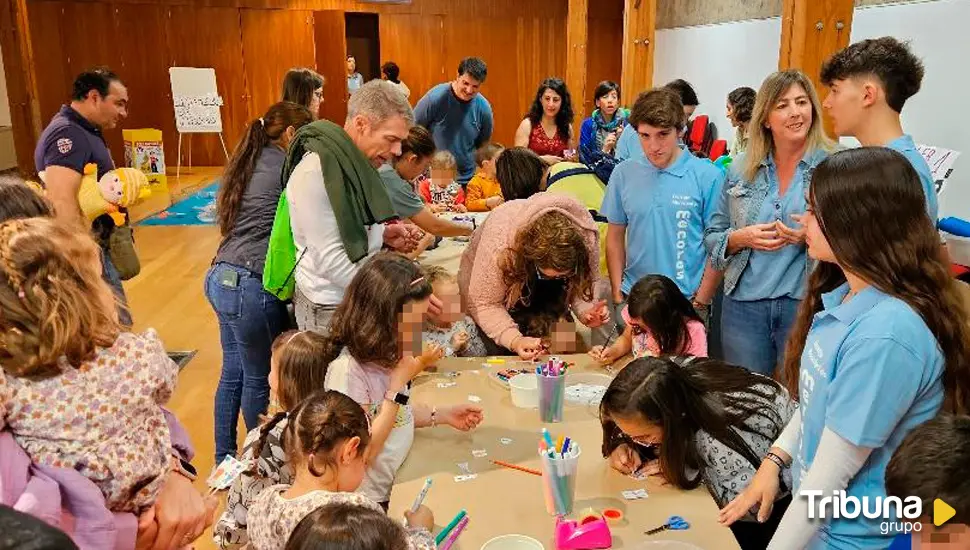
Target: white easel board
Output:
[{"x": 197, "y": 101}]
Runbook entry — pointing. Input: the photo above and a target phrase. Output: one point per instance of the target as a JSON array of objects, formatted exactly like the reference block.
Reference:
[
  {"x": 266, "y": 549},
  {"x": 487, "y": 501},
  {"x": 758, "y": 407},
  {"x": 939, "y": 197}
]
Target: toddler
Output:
[
  {"x": 442, "y": 193},
  {"x": 451, "y": 330}
]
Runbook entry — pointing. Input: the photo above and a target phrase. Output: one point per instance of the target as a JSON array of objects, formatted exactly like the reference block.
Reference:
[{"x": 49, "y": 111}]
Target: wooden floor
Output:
[{"x": 168, "y": 296}]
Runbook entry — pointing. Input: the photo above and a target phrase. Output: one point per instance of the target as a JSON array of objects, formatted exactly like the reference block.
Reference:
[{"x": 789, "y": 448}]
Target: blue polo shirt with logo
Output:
[
  {"x": 71, "y": 141},
  {"x": 665, "y": 212},
  {"x": 871, "y": 372}
]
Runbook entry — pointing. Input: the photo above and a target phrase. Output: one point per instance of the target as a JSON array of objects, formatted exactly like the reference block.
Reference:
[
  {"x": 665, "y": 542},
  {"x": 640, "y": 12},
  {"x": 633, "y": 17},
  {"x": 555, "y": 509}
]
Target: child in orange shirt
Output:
[
  {"x": 442, "y": 193},
  {"x": 484, "y": 191}
]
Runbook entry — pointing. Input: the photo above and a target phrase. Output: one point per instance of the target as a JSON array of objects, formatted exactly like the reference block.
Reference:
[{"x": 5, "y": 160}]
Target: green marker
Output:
[{"x": 444, "y": 532}]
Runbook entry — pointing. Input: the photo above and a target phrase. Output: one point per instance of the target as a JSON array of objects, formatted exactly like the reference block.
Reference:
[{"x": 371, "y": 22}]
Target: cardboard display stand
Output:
[{"x": 144, "y": 151}]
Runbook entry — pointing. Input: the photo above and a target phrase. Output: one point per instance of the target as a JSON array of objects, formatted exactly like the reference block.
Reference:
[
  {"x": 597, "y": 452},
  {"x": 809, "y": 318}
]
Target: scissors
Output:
[{"x": 674, "y": 523}]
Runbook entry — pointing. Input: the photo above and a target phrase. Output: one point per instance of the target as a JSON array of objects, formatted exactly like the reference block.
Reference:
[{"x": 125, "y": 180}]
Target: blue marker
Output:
[{"x": 565, "y": 447}]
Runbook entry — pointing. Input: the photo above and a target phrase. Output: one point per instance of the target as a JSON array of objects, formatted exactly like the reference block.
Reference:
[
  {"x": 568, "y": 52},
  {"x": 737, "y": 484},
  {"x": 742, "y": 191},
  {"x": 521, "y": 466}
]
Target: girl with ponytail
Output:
[
  {"x": 697, "y": 421},
  {"x": 880, "y": 345},
  {"x": 298, "y": 368},
  {"x": 249, "y": 317}
]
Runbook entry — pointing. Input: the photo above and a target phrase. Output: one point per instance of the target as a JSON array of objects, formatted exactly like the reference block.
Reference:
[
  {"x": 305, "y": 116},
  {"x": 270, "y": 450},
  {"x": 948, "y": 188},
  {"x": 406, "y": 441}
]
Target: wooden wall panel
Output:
[
  {"x": 53, "y": 79},
  {"x": 19, "y": 70},
  {"x": 331, "y": 47},
  {"x": 144, "y": 67},
  {"x": 639, "y": 19},
  {"x": 537, "y": 43},
  {"x": 577, "y": 55},
  {"x": 416, "y": 44},
  {"x": 250, "y": 48},
  {"x": 273, "y": 42},
  {"x": 209, "y": 37},
  {"x": 605, "y": 51}
]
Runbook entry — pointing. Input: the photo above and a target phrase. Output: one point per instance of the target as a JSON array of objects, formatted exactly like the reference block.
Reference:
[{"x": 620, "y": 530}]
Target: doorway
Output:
[{"x": 364, "y": 43}]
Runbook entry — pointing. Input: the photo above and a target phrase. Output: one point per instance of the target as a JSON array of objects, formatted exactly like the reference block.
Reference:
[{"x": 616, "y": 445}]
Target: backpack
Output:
[{"x": 701, "y": 134}]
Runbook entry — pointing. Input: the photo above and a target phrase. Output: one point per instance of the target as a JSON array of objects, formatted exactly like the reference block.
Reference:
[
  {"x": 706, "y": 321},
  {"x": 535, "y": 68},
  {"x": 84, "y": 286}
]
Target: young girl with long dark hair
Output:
[
  {"x": 705, "y": 421},
  {"x": 374, "y": 350},
  {"x": 249, "y": 317},
  {"x": 659, "y": 321},
  {"x": 879, "y": 346}
]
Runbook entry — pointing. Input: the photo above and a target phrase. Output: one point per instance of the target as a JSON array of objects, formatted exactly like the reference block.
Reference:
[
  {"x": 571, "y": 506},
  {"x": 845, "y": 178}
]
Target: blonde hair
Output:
[
  {"x": 760, "y": 140},
  {"x": 443, "y": 160},
  {"x": 53, "y": 301}
]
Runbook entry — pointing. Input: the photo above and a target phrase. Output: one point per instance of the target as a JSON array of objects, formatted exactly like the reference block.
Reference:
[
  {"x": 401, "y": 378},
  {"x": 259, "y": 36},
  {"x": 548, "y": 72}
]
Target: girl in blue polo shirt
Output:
[{"x": 878, "y": 347}]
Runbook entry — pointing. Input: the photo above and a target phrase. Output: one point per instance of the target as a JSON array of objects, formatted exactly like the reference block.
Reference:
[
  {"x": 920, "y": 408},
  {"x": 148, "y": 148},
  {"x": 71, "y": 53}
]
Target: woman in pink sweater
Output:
[{"x": 530, "y": 263}]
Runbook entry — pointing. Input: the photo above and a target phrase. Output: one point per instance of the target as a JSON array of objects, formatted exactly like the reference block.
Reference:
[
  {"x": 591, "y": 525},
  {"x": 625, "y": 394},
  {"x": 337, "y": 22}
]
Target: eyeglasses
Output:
[
  {"x": 639, "y": 441},
  {"x": 543, "y": 277}
]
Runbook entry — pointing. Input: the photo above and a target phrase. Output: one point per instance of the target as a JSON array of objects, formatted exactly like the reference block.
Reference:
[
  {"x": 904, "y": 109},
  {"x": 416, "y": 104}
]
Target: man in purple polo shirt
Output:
[{"x": 74, "y": 138}]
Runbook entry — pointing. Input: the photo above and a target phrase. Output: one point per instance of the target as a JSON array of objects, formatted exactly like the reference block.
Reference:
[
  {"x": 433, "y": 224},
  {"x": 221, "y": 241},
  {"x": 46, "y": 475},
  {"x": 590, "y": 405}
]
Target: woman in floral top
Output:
[
  {"x": 702, "y": 421},
  {"x": 327, "y": 438}
]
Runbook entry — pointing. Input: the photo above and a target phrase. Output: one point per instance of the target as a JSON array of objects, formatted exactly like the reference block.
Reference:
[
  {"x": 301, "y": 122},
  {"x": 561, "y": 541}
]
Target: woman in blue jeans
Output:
[
  {"x": 756, "y": 235},
  {"x": 249, "y": 317}
]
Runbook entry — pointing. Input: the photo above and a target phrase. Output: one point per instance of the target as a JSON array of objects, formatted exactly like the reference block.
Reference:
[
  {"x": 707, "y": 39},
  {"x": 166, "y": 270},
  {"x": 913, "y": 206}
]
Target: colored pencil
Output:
[
  {"x": 444, "y": 532},
  {"x": 455, "y": 533},
  {"x": 517, "y": 467}
]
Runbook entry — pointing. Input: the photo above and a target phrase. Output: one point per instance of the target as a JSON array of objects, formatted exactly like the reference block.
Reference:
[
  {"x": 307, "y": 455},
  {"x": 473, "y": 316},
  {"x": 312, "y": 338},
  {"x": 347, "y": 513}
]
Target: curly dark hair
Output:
[
  {"x": 897, "y": 68},
  {"x": 565, "y": 115},
  {"x": 550, "y": 241},
  {"x": 742, "y": 101}
]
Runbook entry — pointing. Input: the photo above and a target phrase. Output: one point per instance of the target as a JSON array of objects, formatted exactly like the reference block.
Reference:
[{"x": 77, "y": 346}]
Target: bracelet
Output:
[
  {"x": 776, "y": 459},
  {"x": 434, "y": 416}
]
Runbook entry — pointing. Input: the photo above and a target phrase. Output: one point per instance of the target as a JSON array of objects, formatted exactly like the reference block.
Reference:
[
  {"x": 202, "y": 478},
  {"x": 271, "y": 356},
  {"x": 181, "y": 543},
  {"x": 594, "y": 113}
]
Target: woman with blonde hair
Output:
[{"x": 756, "y": 236}]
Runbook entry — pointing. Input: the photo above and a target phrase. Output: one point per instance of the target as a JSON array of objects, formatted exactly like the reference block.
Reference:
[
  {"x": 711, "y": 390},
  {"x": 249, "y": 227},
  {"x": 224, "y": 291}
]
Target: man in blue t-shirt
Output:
[
  {"x": 73, "y": 139},
  {"x": 458, "y": 116},
  {"x": 869, "y": 82},
  {"x": 658, "y": 207}
]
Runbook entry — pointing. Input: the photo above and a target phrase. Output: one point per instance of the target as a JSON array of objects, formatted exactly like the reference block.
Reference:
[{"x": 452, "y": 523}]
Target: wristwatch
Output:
[
  {"x": 397, "y": 397},
  {"x": 184, "y": 468}
]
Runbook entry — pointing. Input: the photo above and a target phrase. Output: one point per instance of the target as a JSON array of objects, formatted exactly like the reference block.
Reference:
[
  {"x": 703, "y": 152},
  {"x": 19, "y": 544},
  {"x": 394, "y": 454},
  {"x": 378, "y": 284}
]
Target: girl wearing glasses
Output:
[
  {"x": 659, "y": 321},
  {"x": 697, "y": 421}
]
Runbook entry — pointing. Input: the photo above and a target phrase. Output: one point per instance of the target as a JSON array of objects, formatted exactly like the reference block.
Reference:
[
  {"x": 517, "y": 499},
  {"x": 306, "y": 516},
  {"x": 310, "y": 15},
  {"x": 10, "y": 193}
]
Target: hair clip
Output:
[
  {"x": 292, "y": 336},
  {"x": 417, "y": 281},
  {"x": 261, "y": 123},
  {"x": 21, "y": 294}
]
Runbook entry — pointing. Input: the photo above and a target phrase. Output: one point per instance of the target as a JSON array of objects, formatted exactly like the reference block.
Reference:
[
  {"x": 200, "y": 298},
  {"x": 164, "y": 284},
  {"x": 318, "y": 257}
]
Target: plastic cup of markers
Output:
[
  {"x": 552, "y": 397},
  {"x": 559, "y": 480}
]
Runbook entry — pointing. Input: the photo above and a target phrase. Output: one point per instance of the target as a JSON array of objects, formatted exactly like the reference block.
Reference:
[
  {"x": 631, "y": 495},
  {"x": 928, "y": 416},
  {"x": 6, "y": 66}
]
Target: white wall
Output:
[
  {"x": 710, "y": 58},
  {"x": 718, "y": 58},
  {"x": 938, "y": 114}
]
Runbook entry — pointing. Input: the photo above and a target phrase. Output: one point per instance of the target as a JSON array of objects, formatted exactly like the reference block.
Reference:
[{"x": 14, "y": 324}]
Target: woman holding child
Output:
[{"x": 532, "y": 262}]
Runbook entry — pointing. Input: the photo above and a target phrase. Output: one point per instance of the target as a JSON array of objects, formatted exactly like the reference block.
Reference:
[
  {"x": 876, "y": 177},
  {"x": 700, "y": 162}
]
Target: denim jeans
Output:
[
  {"x": 249, "y": 320},
  {"x": 753, "y": 334},
  {"x": 110, "y": 275}
]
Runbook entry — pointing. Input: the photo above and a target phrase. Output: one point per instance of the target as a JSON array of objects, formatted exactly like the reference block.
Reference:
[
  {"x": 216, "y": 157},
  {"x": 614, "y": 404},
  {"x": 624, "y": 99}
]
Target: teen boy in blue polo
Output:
[
  {"x": 658, "y": 206},
  {"x": 869, "y": 82},
  {"x": 628, "y": 146}
]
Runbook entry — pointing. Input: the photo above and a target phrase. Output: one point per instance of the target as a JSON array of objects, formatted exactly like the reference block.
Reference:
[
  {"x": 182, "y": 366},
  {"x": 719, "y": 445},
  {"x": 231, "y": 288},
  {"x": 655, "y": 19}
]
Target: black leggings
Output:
[{"x": 752, "y": 535}]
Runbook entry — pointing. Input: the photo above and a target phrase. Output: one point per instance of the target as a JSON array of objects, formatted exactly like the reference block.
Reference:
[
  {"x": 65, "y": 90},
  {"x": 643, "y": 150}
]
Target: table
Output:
[{"x": 501, "y": 501}]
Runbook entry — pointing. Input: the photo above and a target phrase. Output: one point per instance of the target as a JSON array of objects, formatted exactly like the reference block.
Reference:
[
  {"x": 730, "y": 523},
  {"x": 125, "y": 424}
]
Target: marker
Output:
[
  {"x": 565, "y": 447},
  {"x": 444, "y": 532},
  {"x": 454, "y": 534},
  {"x": 548, "y": 438},
  {"x": 420, "y": 498}
]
